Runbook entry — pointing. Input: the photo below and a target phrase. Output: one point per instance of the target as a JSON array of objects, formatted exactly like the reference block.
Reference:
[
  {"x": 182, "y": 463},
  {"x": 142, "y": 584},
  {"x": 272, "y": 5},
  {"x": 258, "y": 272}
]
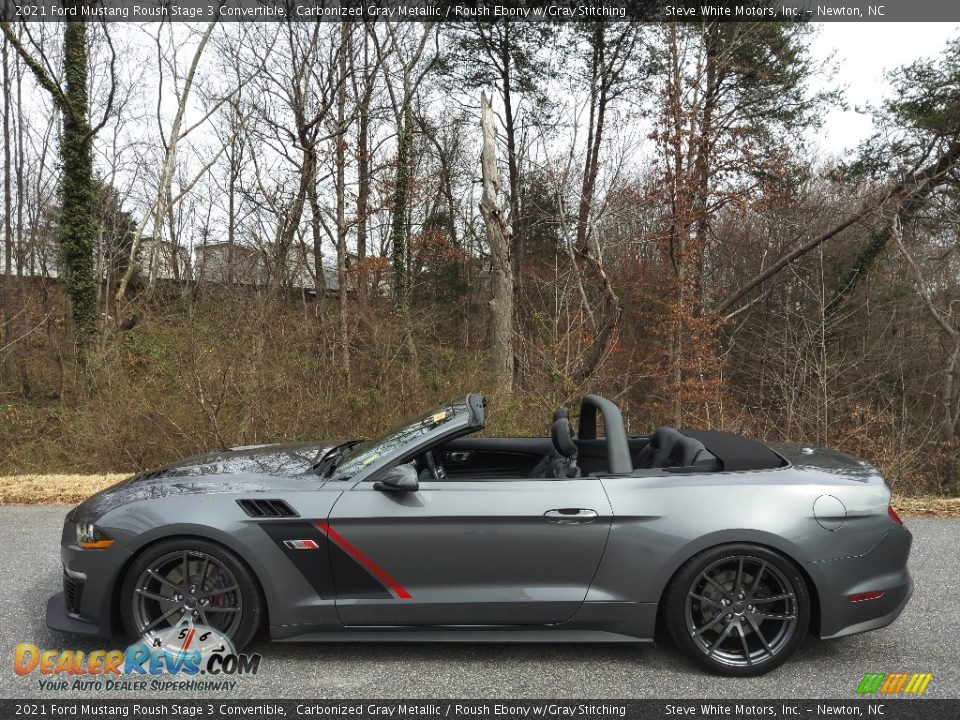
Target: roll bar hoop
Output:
[{"x": 618, "y": 451}]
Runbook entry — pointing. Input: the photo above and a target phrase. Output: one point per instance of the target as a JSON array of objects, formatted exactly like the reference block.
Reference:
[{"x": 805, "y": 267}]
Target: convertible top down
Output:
[{"x": 740, "y": 549}]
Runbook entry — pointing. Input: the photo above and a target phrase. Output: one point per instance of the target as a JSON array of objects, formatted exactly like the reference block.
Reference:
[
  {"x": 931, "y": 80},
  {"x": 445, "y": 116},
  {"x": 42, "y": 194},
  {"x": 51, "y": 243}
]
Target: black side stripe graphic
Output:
[{"x": 320, "y": 566}]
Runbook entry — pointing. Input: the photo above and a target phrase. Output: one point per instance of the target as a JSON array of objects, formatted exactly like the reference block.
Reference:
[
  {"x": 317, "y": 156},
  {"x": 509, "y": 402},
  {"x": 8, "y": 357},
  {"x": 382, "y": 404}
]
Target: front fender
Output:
[
  {"x": 234, "y": 542},
  {"x": 289, "y": 597}
]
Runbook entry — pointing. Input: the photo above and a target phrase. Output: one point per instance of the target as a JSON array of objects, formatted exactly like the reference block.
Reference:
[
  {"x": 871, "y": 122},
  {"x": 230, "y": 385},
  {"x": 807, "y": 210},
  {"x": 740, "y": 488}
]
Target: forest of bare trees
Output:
[{"x": 221, "y": 234}]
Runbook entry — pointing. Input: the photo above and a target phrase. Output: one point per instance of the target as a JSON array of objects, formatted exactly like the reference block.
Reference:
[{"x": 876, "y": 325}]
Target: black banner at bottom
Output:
[{"x": 885, "y": 709}]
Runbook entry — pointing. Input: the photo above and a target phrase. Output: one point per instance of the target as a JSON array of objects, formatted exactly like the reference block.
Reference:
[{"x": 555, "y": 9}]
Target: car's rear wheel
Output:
[
  {"x": 191, "y": 580},
  {"x": 738, "y": 610}
]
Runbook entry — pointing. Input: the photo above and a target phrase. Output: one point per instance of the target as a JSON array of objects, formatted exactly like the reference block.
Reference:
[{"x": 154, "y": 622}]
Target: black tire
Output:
[
  {"x": 737, "y": 610},
  {"x": 247, "y": 597}
]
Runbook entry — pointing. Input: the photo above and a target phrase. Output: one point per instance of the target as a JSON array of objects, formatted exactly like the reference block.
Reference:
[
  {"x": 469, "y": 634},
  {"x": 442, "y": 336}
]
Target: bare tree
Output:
[
  {"x": 498, "y": 236},
  {"x": 78, "y": 232},
  {"x": 164, "y": 200},
  {"x": 949, "y": 395},
  {"x": 409, "y": 51},
  {"x": 7, "y": 203},
  {"x": 914, "y": 184}
]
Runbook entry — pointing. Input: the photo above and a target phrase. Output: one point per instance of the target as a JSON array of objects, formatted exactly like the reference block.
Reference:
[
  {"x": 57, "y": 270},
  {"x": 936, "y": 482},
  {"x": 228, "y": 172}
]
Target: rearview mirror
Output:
[{"x": 402, "y": 478}]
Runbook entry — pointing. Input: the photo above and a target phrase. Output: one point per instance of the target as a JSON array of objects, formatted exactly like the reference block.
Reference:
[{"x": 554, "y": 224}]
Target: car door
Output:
[{"x": 467, "y": 552}]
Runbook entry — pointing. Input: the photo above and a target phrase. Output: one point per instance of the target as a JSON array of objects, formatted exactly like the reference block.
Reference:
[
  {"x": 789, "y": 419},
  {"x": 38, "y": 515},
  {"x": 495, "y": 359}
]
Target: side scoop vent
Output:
[{"x": 267, "y": 508}]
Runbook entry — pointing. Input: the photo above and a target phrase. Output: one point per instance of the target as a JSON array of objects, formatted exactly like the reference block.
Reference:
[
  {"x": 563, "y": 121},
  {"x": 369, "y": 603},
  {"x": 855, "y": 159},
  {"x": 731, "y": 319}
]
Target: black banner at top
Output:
[{"x": 483, "y": 10}]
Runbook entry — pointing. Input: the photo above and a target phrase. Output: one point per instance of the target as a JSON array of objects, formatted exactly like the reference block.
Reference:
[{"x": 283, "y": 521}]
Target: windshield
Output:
[{"x": 368, "y": 452}]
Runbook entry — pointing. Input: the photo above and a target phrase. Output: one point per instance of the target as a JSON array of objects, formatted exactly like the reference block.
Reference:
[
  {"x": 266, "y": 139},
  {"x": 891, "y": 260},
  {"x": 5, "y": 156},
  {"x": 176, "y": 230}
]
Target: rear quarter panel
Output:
[{"x": 663, "y": 520}]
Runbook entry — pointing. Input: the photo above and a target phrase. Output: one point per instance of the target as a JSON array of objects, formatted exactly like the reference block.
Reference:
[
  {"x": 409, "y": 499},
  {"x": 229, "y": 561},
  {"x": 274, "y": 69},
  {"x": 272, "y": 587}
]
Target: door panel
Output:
[
  {"x": 494, "y": 458},
  {"x": 472, "y": 552},
  {"x": 488, "y": 463}
]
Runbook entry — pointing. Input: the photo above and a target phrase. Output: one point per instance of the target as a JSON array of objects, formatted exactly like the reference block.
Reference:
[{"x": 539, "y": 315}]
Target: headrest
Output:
[
  {"x": 664, "y": 436},
  {"x": 560, "y": 412},
  {"x": 685, "y": 452},
  {"x": 562, "y": 435},
  {"x": 663, "y": 442}
]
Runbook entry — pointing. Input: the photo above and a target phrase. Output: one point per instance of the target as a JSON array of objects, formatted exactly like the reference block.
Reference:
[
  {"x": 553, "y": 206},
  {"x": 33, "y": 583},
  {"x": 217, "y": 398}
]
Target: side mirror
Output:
[{"x": 402, "y": 478}]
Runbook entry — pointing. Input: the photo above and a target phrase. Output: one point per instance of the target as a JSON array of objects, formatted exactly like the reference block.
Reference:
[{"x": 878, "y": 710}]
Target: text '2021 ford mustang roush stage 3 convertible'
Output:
[{"x": 738, "y": 549}]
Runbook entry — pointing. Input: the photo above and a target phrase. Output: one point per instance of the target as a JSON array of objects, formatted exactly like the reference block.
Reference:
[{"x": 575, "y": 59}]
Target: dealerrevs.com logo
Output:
[
  {"x": 894, "y": 683},
  {"x": 184, "y": 651}
]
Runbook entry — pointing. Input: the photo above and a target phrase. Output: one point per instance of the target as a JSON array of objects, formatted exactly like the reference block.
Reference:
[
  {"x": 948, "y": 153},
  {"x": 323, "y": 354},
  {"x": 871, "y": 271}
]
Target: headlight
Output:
[{"x": 91, "y": 537}]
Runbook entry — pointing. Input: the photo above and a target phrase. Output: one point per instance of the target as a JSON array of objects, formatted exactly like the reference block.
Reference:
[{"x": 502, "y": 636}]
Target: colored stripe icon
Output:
[{"x": 893, "y": 683}]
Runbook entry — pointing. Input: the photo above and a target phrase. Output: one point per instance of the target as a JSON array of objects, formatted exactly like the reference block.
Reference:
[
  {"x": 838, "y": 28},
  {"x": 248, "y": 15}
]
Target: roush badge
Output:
[{"x": 301, "y": 544}]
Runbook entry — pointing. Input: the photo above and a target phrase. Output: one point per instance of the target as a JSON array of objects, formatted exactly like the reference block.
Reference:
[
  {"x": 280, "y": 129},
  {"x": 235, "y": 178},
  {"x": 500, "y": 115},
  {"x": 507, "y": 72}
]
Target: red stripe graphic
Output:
[{"x": 399, "y": 590}]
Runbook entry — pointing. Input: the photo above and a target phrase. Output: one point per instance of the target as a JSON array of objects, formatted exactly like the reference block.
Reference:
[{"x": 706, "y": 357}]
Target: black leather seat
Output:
[
  {"x": 669, "y": 448},
  {"x": 685, "y": 453},
  {"x": 658, "y": 451},
  {"x": 564, "y": 463}
]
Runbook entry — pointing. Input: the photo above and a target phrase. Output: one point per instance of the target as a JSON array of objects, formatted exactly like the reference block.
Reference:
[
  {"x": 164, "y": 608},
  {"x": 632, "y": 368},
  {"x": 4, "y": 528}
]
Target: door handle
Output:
[
  {"x": 457, "y": 457},
  {"x": 570, "y": 516}
]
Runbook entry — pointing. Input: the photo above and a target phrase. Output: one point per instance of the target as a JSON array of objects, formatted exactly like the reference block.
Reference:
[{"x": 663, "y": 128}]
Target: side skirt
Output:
[
  {"x": 484, "y": 634},
  {"x": 593, "y": 622}
]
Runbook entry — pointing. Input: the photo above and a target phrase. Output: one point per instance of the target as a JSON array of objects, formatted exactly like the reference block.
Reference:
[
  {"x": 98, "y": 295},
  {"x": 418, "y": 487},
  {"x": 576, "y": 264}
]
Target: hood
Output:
[
  {"x": 281, "y": 460},
  {"x": 251, "y": 468},
  {"x": 829, "y": 461}
]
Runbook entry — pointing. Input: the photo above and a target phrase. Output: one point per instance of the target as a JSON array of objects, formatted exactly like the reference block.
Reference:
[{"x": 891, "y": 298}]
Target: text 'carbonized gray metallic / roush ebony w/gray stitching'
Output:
[{"x": 737, "y": 548}]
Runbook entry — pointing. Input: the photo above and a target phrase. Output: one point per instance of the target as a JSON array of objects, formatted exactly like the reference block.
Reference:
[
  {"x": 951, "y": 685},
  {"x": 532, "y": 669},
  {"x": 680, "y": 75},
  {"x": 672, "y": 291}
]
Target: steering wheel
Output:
[{"x": 437, "y": 471}]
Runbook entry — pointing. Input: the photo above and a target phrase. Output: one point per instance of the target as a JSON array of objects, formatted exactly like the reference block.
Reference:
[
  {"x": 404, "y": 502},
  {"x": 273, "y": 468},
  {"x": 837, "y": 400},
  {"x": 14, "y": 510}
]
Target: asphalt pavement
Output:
[{"x": 926, "y": 638}]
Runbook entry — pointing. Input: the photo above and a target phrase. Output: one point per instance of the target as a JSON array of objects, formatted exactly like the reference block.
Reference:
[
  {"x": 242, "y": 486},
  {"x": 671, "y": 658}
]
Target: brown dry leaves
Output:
[
  {"x": 53, "y": 489},
  {"x": 927, "y": 506}
]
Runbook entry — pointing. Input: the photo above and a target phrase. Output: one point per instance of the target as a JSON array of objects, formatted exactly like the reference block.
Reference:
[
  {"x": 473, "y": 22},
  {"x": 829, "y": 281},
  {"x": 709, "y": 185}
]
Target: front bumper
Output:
[
  {"x": 90, "y": 580},
  {"x": 883, "y": 568},
  {"x": 62, "y": 621}
]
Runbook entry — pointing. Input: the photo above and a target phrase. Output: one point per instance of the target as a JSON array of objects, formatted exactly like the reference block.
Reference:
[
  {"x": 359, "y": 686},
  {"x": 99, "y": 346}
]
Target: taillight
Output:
[
  {"x": 860, "y": 597},
  {"x": 893, "y": 515}
]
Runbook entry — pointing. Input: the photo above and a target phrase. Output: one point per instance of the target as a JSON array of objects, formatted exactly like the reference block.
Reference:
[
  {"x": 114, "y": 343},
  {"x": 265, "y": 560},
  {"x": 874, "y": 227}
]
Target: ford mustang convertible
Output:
[{"x": 737, "y": 549}]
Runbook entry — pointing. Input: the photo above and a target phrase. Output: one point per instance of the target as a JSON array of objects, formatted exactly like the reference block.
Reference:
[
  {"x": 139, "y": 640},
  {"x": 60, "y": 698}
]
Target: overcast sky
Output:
[{"x": 864, "y": 52}]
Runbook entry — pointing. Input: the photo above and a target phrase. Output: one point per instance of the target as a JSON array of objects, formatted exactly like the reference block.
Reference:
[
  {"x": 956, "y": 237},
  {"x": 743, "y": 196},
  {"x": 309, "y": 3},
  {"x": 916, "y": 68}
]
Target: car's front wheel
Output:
[
  {"x": 738, "y": 610},
  {"x": 189, "y": 579}
]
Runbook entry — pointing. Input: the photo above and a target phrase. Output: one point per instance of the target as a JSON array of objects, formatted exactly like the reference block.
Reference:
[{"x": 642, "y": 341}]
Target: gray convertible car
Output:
[{"x": 737, "y": 549}]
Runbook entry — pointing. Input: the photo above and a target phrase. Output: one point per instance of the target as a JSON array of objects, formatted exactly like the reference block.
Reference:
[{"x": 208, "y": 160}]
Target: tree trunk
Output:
[
  {"x": 678, "y": 234},
  {"x": 78, "y": 227},
  {"x": 948, "y": 394},
  {"x": 513, "y": 163},
  {"x": 703, "y": 166},
  {"x": 232, "y": 213},
  {"x": 19, "y": 244},
  {"x": 363, "y": 176},
  {"x": 399, "y": 231},
  {"x": 498, "y": 235},
  {"x": 340, "y": 152},
  {"x": 594, "y": 136},
  {"x": 363, "y": 157},
  {"x": 6, "y": 309},
  {"x": 609, "y": 305},
  {"x": 320, "y": 280}
]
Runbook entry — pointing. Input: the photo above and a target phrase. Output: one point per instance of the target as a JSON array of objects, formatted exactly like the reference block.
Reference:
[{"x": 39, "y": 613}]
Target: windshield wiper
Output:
[{"x": 328, "y": 463}]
